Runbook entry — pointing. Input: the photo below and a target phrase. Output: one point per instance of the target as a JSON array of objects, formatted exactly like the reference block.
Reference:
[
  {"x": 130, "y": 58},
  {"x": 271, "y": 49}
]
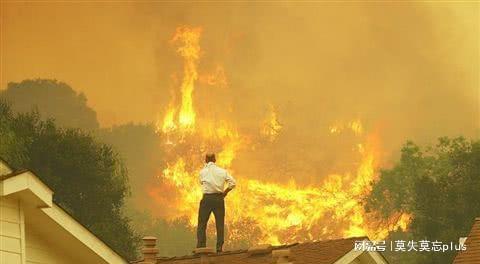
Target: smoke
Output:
[{"x": 407, "y": 70}]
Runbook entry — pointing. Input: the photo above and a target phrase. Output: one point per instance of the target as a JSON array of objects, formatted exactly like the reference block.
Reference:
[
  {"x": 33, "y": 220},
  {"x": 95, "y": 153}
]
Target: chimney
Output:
[
  {"x": 283, "y": 256},
  {"x": 149, "y": 250},
  {"x": 203, "y": 253}
]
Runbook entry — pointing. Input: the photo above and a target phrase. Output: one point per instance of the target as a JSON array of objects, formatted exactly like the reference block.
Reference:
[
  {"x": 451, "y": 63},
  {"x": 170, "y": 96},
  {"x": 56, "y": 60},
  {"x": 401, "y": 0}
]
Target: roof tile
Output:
[
  {"x": 472, "y": 254},
  {"x": 320, "y": 252}
]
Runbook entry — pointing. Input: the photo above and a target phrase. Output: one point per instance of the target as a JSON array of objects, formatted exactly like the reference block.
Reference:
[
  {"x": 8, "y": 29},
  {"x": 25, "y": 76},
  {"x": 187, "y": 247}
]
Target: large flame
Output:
[
  {"x": 281, "y": 213},
  {"x": 188, "y": 41}
]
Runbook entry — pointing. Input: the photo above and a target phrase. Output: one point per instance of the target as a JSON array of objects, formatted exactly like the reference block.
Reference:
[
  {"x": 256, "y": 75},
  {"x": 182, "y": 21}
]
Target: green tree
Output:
[
  {"x": 87, "y": 177},
  {"x": 439, "y": 187},
  {"x": 140, "y": 148},
  {"x": 52, "y": 99}
]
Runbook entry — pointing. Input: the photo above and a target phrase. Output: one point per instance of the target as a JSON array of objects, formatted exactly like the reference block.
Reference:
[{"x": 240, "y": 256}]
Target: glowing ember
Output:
[{"x": 283, "y": 213}]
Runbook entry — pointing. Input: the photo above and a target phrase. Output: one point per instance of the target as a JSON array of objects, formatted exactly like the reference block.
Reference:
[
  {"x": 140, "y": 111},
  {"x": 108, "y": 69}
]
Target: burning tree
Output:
[{"x": 274, "y": 212}]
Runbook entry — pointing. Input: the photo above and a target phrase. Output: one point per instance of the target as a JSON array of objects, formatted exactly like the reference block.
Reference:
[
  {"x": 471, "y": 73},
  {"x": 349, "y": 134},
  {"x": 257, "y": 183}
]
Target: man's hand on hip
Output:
[{"x": 226, "y": 192}]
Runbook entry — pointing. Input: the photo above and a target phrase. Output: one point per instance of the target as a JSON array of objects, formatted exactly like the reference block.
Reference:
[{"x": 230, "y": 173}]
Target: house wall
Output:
[
  {"x": 35, "y": 230},
  {"x": 20, "y": 244},
  {"x": 39, "y": 251},
  {"x": 12, "y": 232}
]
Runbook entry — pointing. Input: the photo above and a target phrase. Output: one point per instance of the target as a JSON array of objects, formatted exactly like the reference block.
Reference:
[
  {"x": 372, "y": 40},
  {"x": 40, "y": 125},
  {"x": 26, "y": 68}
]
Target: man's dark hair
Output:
[{"x": 210, "y": 157}]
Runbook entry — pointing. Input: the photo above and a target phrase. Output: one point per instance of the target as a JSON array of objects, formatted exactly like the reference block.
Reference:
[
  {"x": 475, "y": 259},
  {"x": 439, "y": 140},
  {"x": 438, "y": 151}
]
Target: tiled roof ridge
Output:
[
  {"x": 241, "y": 251},
  {"x": 230, "y": 252},
  {"x": 472, "y": 243}
]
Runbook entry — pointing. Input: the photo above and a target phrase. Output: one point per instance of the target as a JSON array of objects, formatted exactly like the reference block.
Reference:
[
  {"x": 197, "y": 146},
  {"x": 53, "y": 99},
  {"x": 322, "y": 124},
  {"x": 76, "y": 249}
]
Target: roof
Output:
[
  {"x": 472, "y": 253},
  {"x": 320, "y": 252},
  {"x": 12, "y": 174},
  {"x": 53, "y": 220}
]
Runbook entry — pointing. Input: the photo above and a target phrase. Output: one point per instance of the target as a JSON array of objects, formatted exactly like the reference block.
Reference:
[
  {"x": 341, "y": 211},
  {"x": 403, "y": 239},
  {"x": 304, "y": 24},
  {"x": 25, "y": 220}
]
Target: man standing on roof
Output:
[{"x": 213, "y": 180}]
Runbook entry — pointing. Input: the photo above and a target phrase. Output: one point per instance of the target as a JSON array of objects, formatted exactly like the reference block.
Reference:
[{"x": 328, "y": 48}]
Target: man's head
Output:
[{"x": 210, "y": 157}]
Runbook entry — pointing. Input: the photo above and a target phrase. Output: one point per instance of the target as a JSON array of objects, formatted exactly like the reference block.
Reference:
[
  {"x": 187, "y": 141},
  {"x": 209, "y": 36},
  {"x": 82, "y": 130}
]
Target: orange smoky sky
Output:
[{"x": 410, "y": 70}]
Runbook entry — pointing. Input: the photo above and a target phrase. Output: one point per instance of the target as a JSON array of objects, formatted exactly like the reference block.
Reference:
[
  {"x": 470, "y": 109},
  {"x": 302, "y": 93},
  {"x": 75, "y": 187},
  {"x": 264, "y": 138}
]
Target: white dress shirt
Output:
[{"x": 214, "y": 178}]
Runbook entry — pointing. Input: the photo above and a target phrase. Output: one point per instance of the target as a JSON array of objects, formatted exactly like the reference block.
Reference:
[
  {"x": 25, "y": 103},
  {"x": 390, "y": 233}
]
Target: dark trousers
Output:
[{"x": 211, "y": 203}]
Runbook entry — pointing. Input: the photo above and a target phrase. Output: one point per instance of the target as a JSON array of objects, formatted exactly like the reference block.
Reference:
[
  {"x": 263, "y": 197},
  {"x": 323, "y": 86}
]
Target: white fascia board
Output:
[
  {"x": 29, "y": 187},
  {"x": 377, "y": 257},
  {"x": 353, "y": 254},
  {"x": 349, "y": 257},
  {"x": 83, "y": 235}
]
